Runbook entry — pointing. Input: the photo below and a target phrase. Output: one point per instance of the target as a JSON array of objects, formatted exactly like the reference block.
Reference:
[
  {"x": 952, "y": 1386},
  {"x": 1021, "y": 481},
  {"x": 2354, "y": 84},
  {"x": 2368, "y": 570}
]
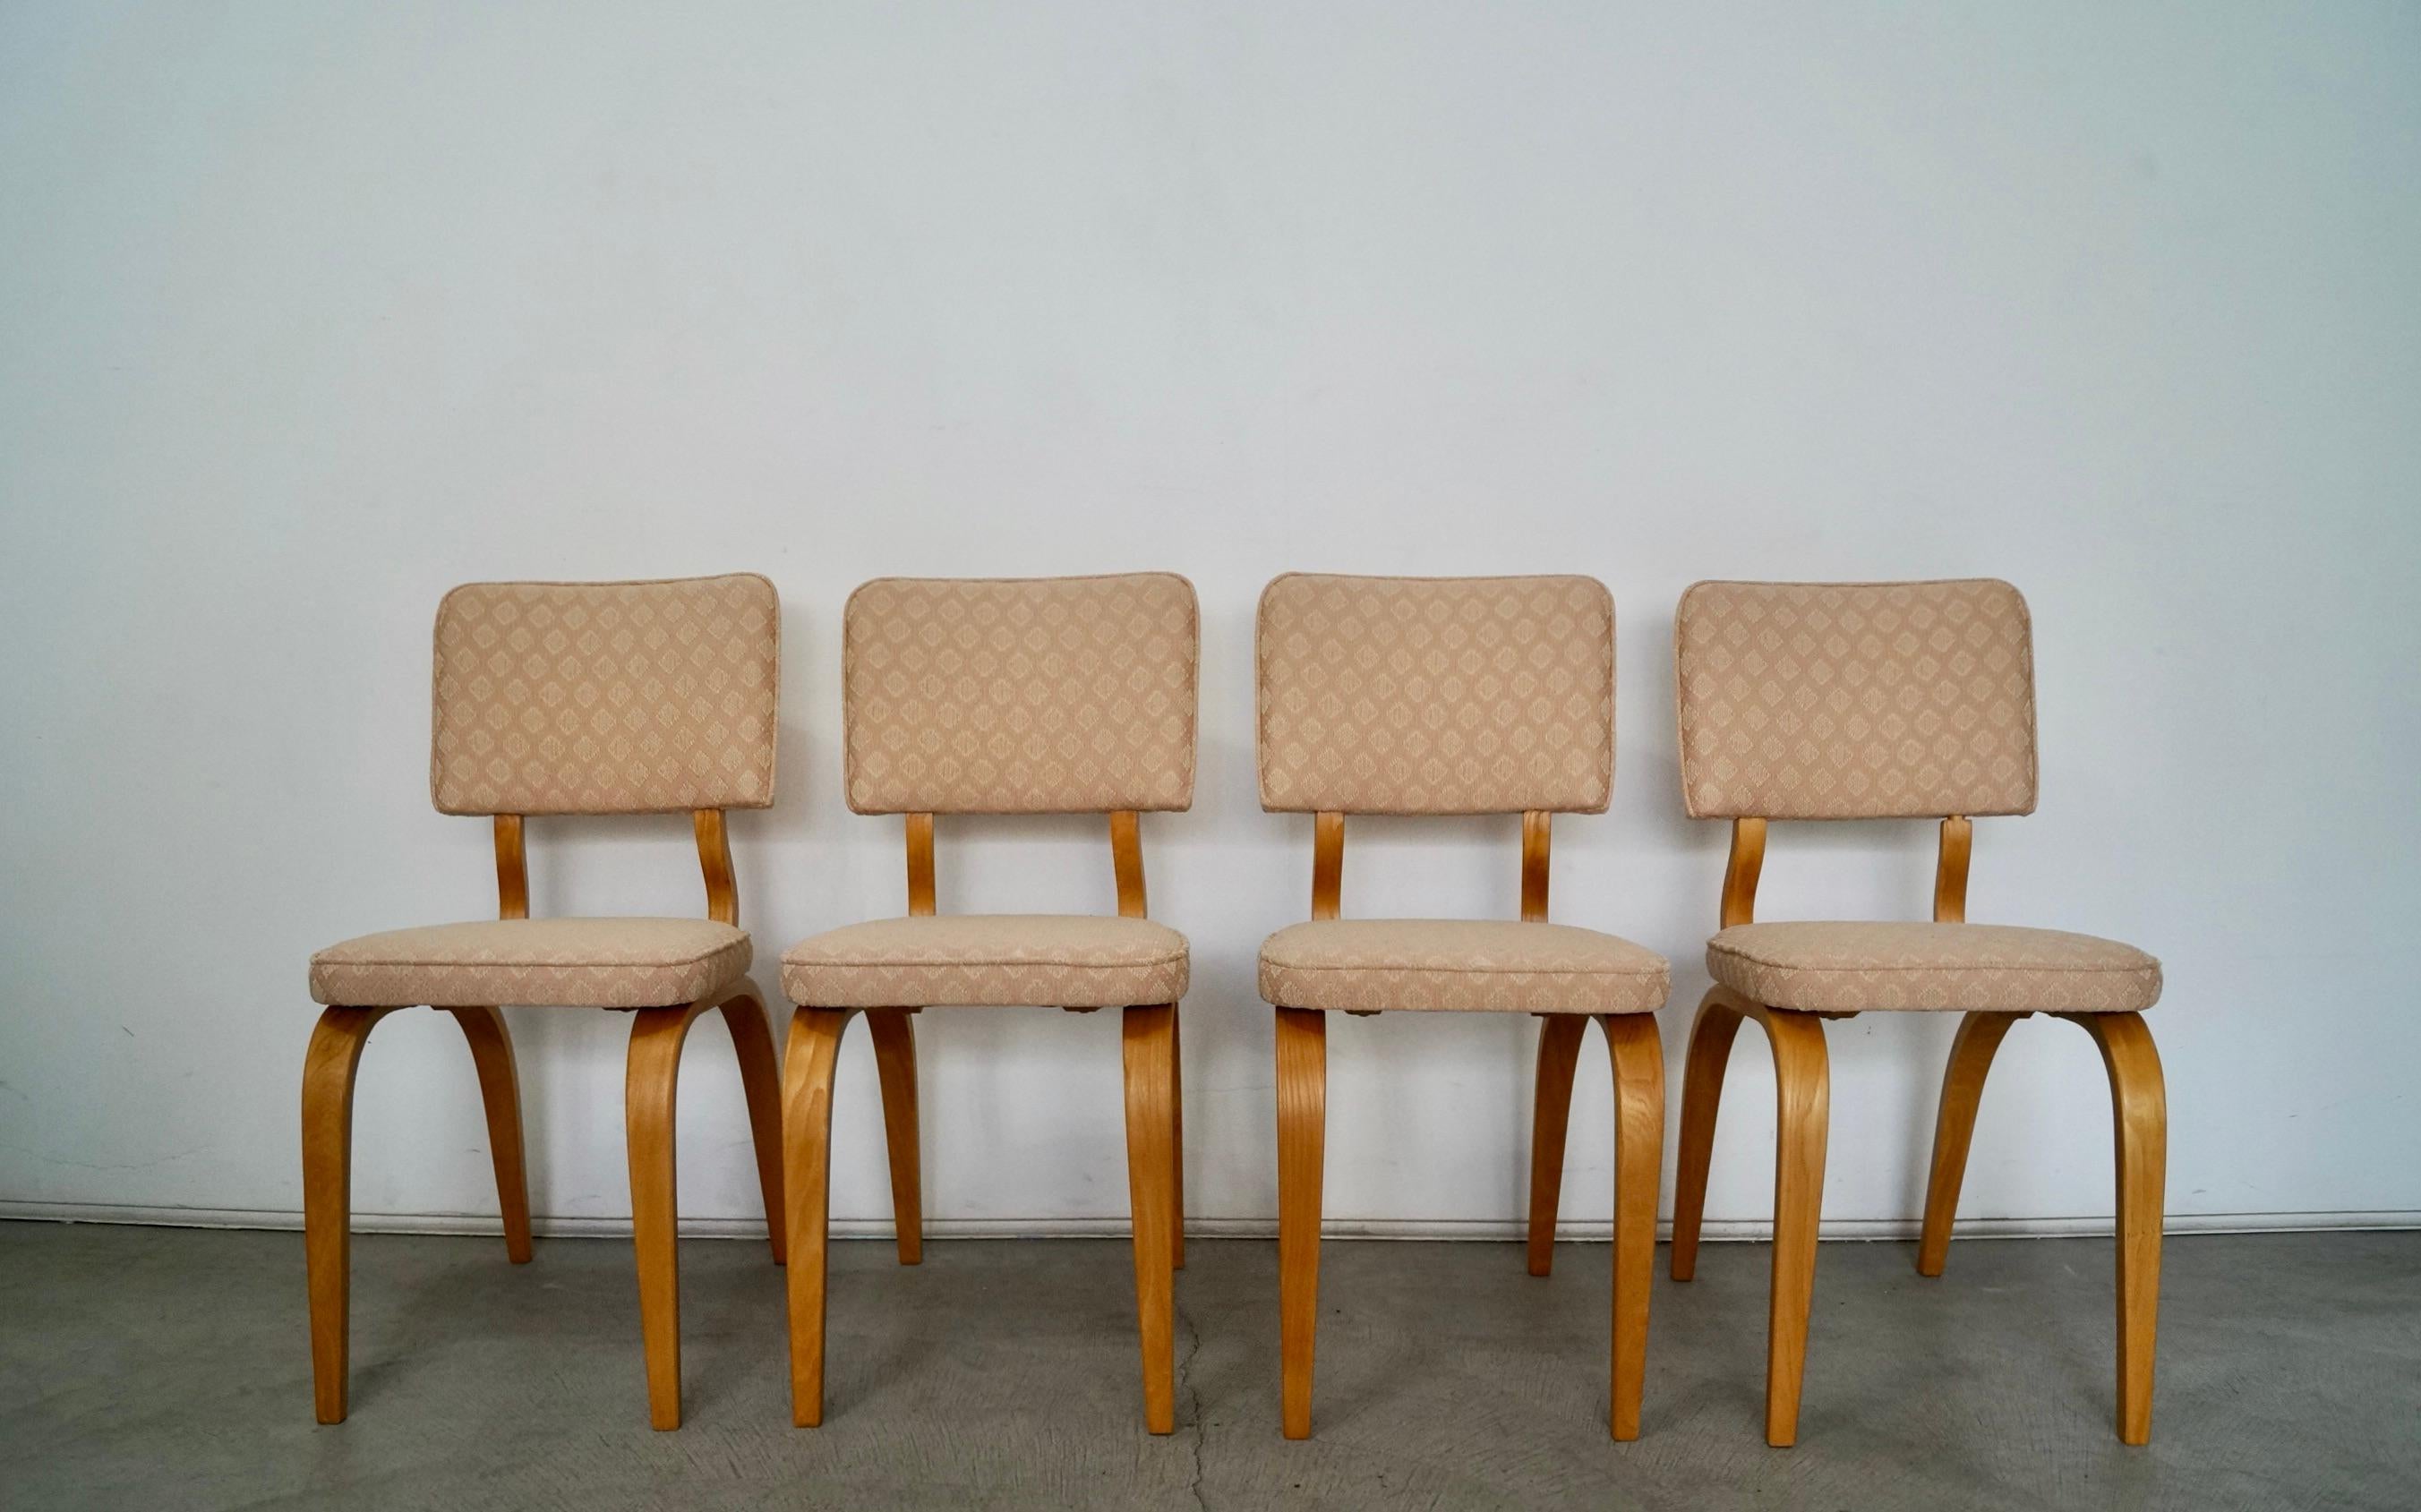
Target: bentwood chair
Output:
[
  {"x": 1880, "y": 700},
  {"x": 569, "y": 698},
  {"x": 1452, "y": 695},
  {"x": 1049, "y": 696}
]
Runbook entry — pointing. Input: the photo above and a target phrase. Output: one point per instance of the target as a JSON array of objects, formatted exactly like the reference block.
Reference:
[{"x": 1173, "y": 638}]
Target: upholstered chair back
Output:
[
  {"x": 1855, "y": 700},
  {"x": 1021, "y": 695},
  {"x": 1436, "y": 695},
  {"x": 606, "y": 698}
]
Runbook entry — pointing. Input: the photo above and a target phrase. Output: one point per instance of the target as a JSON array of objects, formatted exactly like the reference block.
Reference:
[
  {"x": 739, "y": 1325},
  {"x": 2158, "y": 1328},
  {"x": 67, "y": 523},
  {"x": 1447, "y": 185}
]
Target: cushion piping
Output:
[
  {"x": 1946, "y": 966},
  {"x": 726, "y": 948},
  {"x": 1471, "y": 971},
  {"x": 956, "y": 962}
]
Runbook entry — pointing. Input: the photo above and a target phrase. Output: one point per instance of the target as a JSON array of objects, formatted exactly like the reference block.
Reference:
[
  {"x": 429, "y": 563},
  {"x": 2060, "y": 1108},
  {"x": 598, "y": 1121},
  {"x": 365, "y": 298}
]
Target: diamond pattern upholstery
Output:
[
  {"x": 591, "y": 964},
  {"x": 1855, "y": 700},
  {"x": 1436, "y": 695},
  {"x": 605, "y": 697},
  {"x": 1840, "y": 968},
  {"x": 1453, "y": 965},
  {"x": 1025, "y": 696},
  {"x": 990, "y": 959}
]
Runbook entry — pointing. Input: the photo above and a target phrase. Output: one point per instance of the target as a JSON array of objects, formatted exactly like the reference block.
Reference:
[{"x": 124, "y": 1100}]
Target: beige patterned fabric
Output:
[
  {"x": 605, "y": 697},
  {"x": 576, "y": 963},
  {"x": 1459, "y": 965},
  {"x": 1050, "y": 960},
  {"x": 1855, "y": 700},
  {"x": 1837, "y": 968},
  {"x": 1019, "y": 696},
  {"x": 1436, "y": 695}
]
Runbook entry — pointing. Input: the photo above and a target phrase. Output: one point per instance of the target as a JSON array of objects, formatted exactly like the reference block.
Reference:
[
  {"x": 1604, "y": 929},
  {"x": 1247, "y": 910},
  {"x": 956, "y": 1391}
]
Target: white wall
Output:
[{"x": 307, "y": 312}]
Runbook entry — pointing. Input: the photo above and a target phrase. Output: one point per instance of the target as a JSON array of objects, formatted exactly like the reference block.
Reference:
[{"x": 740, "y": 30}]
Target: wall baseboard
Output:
[{"x": 1389, "y": 1228}]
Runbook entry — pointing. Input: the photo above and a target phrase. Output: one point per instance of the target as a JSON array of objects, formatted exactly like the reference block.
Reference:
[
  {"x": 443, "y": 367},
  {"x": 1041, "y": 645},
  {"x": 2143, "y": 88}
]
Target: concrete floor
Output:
[{"x": 168, "y": 1367}]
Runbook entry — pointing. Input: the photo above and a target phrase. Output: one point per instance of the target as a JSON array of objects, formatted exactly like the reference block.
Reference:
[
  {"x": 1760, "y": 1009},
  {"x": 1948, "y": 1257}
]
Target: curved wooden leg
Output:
[
  {"x": 895, "y": 1063},
  {"x": 328, "y": 1071},
  {"x": 1303, "y": 1137},
  {"x": 500, "y": 1091},
  {"x": 647, "y": 1094},
  {"x": 761, "y": 1082},
  {"x": 807, "y": 1181},
  {"x": 1551, "y": 1110},
  {"x": 1150, "y": 1035},
  {"x": 1177, "y": 1135},
  {"x": 1803, "y": 1082},
  {"x": 1954, "y": 1129},
  {"x": 1702, "y": 1092},
  {"x": 2140, "y": 1123},
  {"x": 1639, "y": 1055}
]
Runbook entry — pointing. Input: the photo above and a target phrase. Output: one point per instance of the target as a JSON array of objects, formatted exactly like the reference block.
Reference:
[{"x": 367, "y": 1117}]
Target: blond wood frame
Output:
[
  {"x": 1155, "y": 1122},
  {"x": 657, "y": 1035},
  {"x": 1803, "y": 1083},
  {"x": 1637, "y": 1059}
]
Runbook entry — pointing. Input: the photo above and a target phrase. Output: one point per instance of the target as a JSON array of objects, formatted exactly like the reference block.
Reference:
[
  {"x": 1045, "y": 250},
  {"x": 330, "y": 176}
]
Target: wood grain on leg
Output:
[
  {"x": 500, "y": 1094},
  {"x": 806, "y": 1184},
  {"x": 1149, "y": 1035},
  {"x": 1702, "y": 1090},
  {"x": 1302, "y": 1121},
  {"x": 1954, "y": 1129},
  {"x": 895, "y": 1064},
  {"x": 760, "y": 1084},
  {"x": 328, "y": 1072},
  {"x": 1803, "y": 1080},
  {"x": 2140, "y": 1125},
  {"x": 647, "y": 1096},
  {"x": 1639, "y": 1055},
  {"x": 1176, "y": 1138},
  {"x": 1559, "y": 1051}
]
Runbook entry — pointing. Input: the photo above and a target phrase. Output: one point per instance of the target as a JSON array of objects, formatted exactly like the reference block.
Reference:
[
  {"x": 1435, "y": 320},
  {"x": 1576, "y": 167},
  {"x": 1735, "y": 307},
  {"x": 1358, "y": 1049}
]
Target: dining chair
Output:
[
  {"x": 1031, "y": 695},
  {"x": 1889, "y": 701},
  {"x": 569, "y": 698},
  {"x": 1438, "y": 696}
]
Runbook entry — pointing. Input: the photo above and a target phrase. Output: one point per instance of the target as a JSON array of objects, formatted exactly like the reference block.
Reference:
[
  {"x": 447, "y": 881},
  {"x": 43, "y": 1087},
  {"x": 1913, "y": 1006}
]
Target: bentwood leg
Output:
[
  {"x": 647, "y": 1096},
  {"x": 1702, "y": 1091},
  {"x": 1639, "y": 1055},
  {"x": 1803, "y": 1080},
  {"x": 1551, "y": 1109},
  {"x": 492, "y": 1052},
  {"x": 328, "y": 1072},
  {"x": 1302, "y": 1119},
  {"x": 895, "y": 1063},
  {"x": 1954, "y": 1129},
  {"x": 806, "y": 1184},
  {"x": 2140, "y": 1120},
  {"x": 761, "y": 1082},
  {"x": 1177, "y": 1133},
  {"x": 1150, "y": 1035}
]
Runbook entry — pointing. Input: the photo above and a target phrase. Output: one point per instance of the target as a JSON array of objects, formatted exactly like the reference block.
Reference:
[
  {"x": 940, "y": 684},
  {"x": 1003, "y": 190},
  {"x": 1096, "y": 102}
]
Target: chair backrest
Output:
[
  {"x": 1855, "y": 700},
  {"x": 1021, "y": 695},
  {"x": 606, "y": 698},
  {"x": 1436, "y": 695}
]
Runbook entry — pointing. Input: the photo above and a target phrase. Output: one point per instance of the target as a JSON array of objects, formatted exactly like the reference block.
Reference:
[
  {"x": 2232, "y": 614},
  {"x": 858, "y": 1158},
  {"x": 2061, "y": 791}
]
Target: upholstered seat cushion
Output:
[
  {"x": 1989, "y": 967},
  {"x": 581, "y": 963},
  {"x": 1064, "y": 960},
  {"x": 1459, "y": 965}
]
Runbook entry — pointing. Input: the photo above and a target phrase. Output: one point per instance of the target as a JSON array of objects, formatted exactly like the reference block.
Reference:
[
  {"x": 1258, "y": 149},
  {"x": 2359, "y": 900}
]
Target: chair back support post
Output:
[
  {"x": 512, "y": 869},
  {"x": 1125, "y": 861},
  {"x": 920, "y": 863},
  {"x": 714, "y": 862},
  {"x": 1537, "y": 833},
  {"x": 1741, "y": 871},
  {"x": 1327, "y": 862},
  {"x": 1950, "y": 871}
]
